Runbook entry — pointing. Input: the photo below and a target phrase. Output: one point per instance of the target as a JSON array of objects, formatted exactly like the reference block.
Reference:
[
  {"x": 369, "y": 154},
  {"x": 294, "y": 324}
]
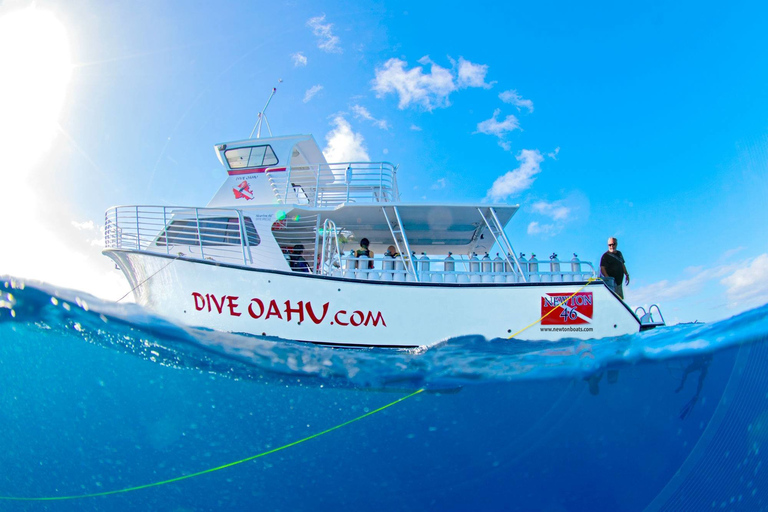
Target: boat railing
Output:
[
  {"x": 199, "y": 233},
  {"x": 329, "y": 185},
  {"x": 446, "y": 269}
]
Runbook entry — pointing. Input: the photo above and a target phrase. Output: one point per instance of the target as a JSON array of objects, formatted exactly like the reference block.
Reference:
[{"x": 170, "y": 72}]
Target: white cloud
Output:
[
  {"x": 311, "y": 92},
  {"x": 427, "y": 90},
  {"x": 513, "y": 98},
  {"x": 343, "y": 144},
  {"x": 553, "y": 154},
  {"x": 697, "y": 290},
  {"x": 472, "y": 75},
  {"x": 94, "y": 233},
  {"x": 667, "y": 290},
  {"x": 415, "y": 128},
  {"x": 326, "y": 40},
  {"x": 517, "y": 180},
  {"x": 749, "y": 283},
  {"x": 555, "y": 210},
  {"x": 362, "y": 112},
  {"x": 439, "y": 184},
  {"x": 299, "y": 59},
  {"x": 498, "y": 128},
  {"x": 88, "y": 225},
  {"x": 534, "y": 228}
]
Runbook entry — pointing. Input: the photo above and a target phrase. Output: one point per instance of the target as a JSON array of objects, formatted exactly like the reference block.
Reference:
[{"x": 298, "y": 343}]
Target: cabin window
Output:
[
  {"x": 256, "y": 156},
  {"x": 213, "y": 231}
]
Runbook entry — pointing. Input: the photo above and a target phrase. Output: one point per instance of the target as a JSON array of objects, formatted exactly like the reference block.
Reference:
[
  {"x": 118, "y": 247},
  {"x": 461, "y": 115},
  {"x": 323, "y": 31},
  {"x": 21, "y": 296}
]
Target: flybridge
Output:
[{"x": 292, "y": 170}]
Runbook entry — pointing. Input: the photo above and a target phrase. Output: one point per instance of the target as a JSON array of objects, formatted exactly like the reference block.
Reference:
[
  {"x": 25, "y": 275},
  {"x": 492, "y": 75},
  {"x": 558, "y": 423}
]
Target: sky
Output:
[{"x": 648, "y": 123}]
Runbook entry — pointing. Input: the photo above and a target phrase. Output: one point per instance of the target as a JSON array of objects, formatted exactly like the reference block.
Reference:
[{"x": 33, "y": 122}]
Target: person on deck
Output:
[
  {"x": 365, "y": 251},
  {"x": 612, "y": 265},
  {"x": 297, "y": 261}
]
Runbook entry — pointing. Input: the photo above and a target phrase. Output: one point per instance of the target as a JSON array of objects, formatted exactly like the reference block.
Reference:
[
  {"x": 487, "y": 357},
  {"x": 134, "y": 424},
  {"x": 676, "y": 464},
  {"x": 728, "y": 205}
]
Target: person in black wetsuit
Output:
[
  {"x": 365, "y": 251},
  {"x": 612, "y": 265}
]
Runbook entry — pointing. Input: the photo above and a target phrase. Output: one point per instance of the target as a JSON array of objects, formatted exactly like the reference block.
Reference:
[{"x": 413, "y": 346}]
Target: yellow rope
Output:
[
  {"x": 589, "y": 281},
  {"x": 225, "y": 466}
]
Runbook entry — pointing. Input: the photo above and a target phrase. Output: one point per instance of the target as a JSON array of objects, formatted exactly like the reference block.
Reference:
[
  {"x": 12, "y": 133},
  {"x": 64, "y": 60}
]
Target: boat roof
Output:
[{"x": 458, "y": 228}]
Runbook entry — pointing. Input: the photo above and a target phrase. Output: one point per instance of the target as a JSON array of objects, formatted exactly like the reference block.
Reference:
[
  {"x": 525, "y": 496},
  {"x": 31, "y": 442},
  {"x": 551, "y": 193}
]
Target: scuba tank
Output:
[
  {"x": 474, "y": 269},
  {"x": 423, "y": 263},
  {"x": 554, "y": 267},
  {"x": 533, "y": 269},
  {"x": 498, "y": 269},
  {"x": 486, "y": 268},
  {"x": 575, "y": 268},
  {"x": 449, "y": 267}
]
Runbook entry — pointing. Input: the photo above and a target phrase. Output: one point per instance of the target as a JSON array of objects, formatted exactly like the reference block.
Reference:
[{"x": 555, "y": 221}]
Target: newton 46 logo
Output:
[{"x": 568, "y": 311}]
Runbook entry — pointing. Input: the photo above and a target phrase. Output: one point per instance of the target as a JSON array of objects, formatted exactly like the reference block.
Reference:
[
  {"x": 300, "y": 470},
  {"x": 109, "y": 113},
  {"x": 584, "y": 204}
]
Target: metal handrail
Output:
[
  {"x": 352, "y": 182},
  {"x": 205, "y": 233},
  {"x": 331, "y": 252}
]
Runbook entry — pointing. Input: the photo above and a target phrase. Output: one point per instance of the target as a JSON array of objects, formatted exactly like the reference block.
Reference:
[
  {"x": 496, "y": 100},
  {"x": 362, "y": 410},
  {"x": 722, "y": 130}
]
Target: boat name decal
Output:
[
  {"x": 287, "y": 311},
  {"x": 575, "y": 309}
]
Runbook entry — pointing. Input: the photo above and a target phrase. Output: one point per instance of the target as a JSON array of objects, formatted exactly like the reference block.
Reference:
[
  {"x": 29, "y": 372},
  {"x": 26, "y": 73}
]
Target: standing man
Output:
[{"x": 612, "y": 265}]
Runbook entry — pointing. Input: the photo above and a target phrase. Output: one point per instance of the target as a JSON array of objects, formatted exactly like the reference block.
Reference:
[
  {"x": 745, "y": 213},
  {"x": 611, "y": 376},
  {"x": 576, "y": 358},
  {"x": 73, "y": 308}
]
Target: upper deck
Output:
[
  {"x": 283, "y": 203},
  {"x": 292, "y": 170}
]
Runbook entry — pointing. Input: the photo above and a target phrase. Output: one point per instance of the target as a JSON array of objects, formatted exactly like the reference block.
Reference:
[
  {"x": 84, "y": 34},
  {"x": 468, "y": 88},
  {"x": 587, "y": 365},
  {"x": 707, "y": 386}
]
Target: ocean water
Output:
[{"x": 105, "y": 398}]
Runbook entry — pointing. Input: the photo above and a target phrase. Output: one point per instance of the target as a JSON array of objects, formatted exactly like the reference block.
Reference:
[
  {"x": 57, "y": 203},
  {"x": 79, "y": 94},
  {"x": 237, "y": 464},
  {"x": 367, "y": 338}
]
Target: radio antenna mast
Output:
[{"x": 263, "y": 115}]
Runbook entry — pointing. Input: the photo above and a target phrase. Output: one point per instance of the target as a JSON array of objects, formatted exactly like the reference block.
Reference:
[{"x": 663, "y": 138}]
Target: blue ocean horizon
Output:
[{"x": 97, "y": 397}]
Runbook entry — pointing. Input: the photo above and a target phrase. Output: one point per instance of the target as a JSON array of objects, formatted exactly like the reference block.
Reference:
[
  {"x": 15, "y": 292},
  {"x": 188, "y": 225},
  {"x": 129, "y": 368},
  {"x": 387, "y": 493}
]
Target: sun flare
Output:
[{"x": 36, "y": 65}]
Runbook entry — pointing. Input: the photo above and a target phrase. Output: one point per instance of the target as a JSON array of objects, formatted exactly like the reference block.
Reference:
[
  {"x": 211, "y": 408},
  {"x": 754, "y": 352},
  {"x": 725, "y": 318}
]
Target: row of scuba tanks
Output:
[{"x": 475, "y": 270}]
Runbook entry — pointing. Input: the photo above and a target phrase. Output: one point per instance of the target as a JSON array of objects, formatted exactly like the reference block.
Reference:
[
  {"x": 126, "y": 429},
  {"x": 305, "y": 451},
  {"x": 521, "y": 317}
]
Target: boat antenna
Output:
[{"x": 263, "y": 115}]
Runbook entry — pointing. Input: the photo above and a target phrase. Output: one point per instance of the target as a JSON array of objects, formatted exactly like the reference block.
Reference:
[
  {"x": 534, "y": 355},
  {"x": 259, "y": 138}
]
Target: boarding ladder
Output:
[
  {"x": 497, "y": 231},
  {"x": 330, "y": 259},
  {"x": 647, "y": 320},
  {"x": 395, "y": 225}
]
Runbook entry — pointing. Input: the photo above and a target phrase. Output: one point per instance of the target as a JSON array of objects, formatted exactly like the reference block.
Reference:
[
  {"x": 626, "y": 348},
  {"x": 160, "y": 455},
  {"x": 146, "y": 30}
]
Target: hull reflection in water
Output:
[{"x": 98, "y": 397}]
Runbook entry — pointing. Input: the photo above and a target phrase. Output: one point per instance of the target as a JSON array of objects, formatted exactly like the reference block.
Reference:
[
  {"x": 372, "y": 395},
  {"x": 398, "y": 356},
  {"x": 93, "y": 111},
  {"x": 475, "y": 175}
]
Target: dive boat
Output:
[{"x": 275, "y": 254}]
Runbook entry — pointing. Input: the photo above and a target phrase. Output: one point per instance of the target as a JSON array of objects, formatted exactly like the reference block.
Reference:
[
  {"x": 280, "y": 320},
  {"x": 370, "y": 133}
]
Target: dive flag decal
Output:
[{"x": 568, "y": 311}]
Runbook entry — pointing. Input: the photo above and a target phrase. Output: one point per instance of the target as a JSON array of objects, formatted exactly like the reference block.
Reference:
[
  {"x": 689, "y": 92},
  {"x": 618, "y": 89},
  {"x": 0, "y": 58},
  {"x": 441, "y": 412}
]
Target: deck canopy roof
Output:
[{"x": 430, "y": 228}]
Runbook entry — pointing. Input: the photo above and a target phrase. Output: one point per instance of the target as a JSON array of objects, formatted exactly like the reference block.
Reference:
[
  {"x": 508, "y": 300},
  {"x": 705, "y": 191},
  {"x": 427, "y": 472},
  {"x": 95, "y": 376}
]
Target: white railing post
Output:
[
  {"x": 287, "y": 184},
  {"x": 117, "y": 242},
  {"x": 165, "y": 230},
  {"x": 199, "y": 236},
  {"x": 138, "y": 234},
  {"x": 243, "y": 236}
]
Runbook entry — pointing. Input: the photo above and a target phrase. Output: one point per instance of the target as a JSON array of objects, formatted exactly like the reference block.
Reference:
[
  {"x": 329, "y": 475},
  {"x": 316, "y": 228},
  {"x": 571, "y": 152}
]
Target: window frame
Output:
[{"x": 268, "y": 150}]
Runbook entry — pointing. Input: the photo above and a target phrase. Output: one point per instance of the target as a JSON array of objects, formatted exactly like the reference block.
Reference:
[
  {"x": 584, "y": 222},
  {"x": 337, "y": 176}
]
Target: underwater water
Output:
[{"x": 105, "y": 398}]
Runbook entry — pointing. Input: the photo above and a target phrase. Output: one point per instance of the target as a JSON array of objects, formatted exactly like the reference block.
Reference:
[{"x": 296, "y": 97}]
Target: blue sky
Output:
[{"x": 647, "y": 122}]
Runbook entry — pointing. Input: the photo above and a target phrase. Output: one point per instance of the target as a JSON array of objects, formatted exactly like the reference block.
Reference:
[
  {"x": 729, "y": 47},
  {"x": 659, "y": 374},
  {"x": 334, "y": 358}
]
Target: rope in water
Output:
[
  {"x": 219, "y": 468},
  {"x": 268, "y": 452}
]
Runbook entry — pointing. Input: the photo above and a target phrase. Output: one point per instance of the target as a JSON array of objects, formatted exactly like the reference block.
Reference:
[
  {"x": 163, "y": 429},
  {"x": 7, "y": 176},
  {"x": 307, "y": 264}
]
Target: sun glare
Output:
[{"x": 36, "y": 67}]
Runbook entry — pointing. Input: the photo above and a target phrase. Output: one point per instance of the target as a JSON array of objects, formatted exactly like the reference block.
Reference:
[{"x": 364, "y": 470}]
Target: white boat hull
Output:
[{"x": 336, "y": 311}]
